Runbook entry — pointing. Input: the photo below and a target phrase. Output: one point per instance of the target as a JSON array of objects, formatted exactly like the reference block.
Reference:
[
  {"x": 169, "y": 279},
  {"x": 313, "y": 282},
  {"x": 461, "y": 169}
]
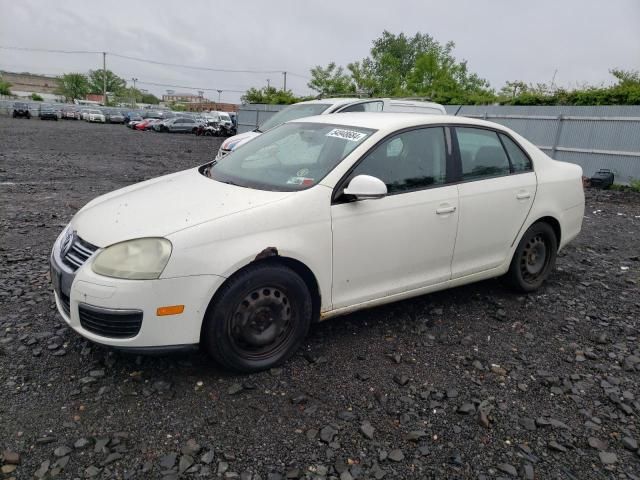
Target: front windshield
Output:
[
  {"x": 293, "y": 112},
  {"x": 294, "y": 156}
]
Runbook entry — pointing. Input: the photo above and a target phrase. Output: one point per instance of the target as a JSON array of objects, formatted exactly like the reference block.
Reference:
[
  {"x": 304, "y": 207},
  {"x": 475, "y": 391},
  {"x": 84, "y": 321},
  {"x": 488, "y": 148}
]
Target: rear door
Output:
[{"x": 497, "y": 189}]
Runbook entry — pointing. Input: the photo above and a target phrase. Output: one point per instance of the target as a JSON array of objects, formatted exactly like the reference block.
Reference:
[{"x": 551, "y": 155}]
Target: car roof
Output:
[
  {"x": 331, "y": 101},
  {"x": 393, "y": 121}
]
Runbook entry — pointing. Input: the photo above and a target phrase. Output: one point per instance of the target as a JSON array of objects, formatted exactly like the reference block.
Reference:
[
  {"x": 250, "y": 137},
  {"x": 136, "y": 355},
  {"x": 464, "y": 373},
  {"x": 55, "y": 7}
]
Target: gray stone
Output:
[
  {"x": 553, "y": 445},
  {"x": 168, "y": 461},
  {"x": 11, "y": 458},
  {"x": 630, "y": 443},
  {"x": 528, "y": 472},
  {"x": 81, "y": 443},
  {"x": 608, "y": 458},
  {"x": 466, "y": 408},
  {"x": 527, "y": 423},
  {"x": 185, "y": 462},
  {"x": 508, "y": 469},
  {"x": 416, "y": 435},
  {"x": 327, "y": 433},
  {"x": 207, "y": 457},
  {"x": 62, "y": 451},
  {"x": 396, "y": 455},
  {"x": 191, "y": 448},
  {"x": 597, "y": 443},
  {"x": 101, "y": 445},
  {"x": 91, "y": 471},
  {"x": 367, "y": 430}
]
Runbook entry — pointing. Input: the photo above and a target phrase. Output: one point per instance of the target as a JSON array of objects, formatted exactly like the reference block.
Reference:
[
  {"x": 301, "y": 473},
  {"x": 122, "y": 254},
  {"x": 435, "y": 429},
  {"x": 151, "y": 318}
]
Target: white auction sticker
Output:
[{"x": 350, "y": 135}]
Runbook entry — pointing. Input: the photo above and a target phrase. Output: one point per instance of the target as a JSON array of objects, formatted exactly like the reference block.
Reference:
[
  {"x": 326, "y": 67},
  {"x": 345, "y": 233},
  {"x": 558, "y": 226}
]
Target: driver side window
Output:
[{"x": 408, "y": 161}]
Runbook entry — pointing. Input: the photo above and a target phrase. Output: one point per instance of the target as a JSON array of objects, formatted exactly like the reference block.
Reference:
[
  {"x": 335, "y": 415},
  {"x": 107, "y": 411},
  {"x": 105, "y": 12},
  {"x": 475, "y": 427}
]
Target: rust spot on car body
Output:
[{"x": 267, "y": 252}]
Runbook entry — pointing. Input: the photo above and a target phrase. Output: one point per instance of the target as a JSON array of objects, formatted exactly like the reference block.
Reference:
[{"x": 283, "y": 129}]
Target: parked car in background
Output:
[
  {"x": 332, "y": 105},
  {"x": 316, "y": 218},
  {"x": 84, "y": 113},
  {"x": 179, "y": 125},
  {"x": 71, "y": 113},
  {"x": 133, "y": 120},
  {"x": 95, "y": 116},
  {"x": 114, "y": 116},
  {"x": 146, "y": 124},
  {"x": 21, "y": 110},
  {"x": 47, "y": 112}
]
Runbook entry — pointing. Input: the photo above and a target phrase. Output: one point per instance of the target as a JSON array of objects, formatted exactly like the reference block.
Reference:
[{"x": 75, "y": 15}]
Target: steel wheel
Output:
[
  {"x": 534, "y": 258},
  {"x": 261, "y": 323},
  {"x": 258, "y": 318}
]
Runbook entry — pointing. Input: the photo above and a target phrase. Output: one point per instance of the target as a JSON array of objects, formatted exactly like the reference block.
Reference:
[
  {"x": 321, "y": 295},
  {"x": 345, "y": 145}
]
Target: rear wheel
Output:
[
  {"x": 534, "y": 258},
  {"x": 258, "y": 319}
]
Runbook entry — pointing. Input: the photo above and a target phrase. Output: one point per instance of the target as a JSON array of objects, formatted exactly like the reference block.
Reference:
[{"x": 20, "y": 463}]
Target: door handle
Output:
[
  {"x": 445, "y": 210},
  {"x": 523, "y": 195}
]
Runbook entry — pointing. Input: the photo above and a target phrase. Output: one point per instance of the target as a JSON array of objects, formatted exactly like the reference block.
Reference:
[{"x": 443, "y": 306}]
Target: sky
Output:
[{"x": 572, "y": 42}]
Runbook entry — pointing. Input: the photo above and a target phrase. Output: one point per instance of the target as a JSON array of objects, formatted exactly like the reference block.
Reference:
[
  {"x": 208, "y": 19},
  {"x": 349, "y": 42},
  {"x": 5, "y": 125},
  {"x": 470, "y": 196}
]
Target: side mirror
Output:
[{"x": 365, "y": 187}]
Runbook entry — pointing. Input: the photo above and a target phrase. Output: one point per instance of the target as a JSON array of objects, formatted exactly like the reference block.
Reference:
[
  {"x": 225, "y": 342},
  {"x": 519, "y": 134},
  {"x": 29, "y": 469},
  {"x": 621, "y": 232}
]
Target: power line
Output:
[
  {"x": 192, "y": 67},
  {"x": 153, "y": 62},
  {"x": 189, "y": 88},
  {"x": 27, "y": 49}
]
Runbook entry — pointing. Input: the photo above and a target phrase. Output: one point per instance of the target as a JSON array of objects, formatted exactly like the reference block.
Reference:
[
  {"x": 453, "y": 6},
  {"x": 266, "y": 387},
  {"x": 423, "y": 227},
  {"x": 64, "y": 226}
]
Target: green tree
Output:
[
  {"x": 73, "y": 86},
  {"x": 401, "y": 65},
  {"x": 513, "y": 89},
  {"x": 626, "y": 91},
  {"x": 270, "y": 95},
  {"x": 5, "y": 87},
  {"x": 148, "y": 98},
  {"x": 363, "y": 76},
  {"x": 115, "y": 84},
  {"x": 36, "y": 98},
  {"x": 330, "y": 80}
]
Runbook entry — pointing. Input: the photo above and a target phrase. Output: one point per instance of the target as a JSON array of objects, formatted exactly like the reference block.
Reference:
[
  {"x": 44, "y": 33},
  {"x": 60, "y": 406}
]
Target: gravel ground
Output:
[{"x": 475, "y": 382}]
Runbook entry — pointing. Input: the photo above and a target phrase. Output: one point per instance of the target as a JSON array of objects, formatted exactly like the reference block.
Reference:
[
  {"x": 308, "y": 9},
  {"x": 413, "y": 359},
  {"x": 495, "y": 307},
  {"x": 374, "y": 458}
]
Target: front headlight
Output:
[{"x": 140, "y": 259}]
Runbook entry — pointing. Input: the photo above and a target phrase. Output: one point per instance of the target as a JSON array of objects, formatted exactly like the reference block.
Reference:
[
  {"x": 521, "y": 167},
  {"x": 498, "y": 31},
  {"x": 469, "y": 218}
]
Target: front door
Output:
[{"x": 405, "y": 240}]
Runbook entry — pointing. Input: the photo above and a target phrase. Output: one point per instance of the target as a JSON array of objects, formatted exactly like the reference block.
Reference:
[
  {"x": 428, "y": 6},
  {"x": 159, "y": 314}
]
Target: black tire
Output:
[
  {"x": 534, "y": 258},
  {"x": 258, "y": 319}
]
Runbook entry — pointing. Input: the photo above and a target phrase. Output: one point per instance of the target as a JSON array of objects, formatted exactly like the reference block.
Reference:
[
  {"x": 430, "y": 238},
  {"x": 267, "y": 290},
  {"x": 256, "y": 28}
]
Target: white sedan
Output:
[
  {"x": 95, "y": 116},
  {"x": 316, "y": 218}
]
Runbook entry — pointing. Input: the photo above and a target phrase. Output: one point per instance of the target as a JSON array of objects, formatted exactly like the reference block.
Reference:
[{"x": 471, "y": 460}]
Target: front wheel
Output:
[
  {"x": 534, "y": 258},
  {"x": 258, "y": 318}
]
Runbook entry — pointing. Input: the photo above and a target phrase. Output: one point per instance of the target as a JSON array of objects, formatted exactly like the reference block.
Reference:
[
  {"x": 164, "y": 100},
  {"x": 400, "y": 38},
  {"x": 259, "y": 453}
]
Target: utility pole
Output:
[
  {"x": 133, "y": 93},
  {"x": 219, "y": 94},
  {"x": 268, "y": 83},
  {"x": 284, "y": 74},
  {"x": 104, "y": 77}
]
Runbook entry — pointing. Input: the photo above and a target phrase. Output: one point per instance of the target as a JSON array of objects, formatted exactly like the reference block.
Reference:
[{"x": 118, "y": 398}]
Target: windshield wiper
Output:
[{"x": 258, "y": 130}]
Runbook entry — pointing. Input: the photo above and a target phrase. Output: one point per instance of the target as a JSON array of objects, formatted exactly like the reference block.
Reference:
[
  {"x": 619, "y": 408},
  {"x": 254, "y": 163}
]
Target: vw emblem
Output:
[{"x": 66, "y": 243}]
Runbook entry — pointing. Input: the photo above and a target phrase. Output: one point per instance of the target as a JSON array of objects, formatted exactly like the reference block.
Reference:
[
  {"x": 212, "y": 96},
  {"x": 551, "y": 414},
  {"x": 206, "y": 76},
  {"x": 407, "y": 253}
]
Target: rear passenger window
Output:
[
  {"x": 519, "y": 161},
  {"x": 481, "y": 154},
  {"x": 364, "y": 107}
]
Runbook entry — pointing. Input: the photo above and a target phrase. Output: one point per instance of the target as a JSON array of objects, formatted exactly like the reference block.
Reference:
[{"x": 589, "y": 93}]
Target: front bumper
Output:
[{"x": 104, "y": 309}]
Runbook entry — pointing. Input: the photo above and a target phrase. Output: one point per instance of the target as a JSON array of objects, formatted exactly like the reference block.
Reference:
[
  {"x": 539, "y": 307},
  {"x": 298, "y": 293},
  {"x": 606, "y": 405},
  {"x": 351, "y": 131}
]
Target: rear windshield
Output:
[{"x": 293, "y": 112}]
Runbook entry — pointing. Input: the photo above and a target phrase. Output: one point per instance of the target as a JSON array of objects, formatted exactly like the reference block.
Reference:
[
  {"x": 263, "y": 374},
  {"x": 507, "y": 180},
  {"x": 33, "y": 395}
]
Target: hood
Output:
[
  {"x": 164, "y": 205},
  {"x": 234, "y": 142}
]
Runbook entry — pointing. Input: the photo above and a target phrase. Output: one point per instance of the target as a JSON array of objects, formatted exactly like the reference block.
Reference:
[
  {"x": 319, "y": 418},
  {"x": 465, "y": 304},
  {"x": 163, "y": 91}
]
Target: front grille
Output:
[
  {"x": 110, "y": 323},
  {"x": 78, "y": 253},
  {"x": 65, "y": 303}
]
